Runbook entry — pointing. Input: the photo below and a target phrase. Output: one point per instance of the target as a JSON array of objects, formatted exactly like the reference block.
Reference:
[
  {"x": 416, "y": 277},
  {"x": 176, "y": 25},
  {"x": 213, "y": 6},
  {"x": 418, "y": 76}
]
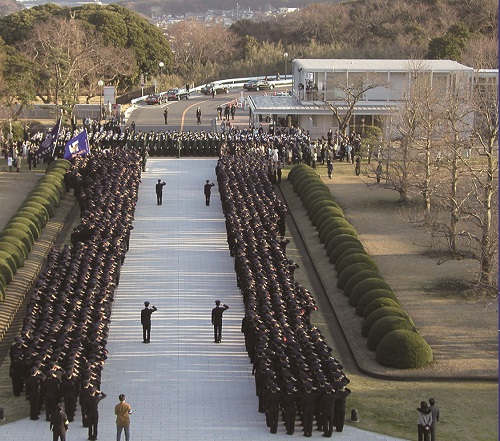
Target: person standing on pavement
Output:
[
  {"x": 159, "y": 191},
  {"x": 16, "y": 371},
  {"x": 93, "y": 411},
  {"x": 59, "y": 424},
  {"x": 435, "y": 418},
  {"x": 198, "y": 115},
  {"x": 123, "y": 410},
  {"x": 217, "y": 319},
  {"x": 207, "y": 190},
  {"x": 165, "y": 115},
  {"x": 146, "y": 321}
]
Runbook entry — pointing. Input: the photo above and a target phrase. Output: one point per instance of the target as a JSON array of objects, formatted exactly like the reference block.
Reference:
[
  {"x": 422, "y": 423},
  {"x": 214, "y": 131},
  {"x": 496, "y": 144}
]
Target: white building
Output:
[{"x": 372, "y": 90}]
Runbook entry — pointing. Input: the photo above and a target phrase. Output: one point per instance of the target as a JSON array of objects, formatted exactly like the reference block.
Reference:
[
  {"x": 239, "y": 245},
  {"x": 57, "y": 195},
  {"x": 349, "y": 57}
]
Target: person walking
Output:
[
  {"x": 424, "y": 421},
  {"x": 207, "y": 190},
  {"x": 357, "y": 167},
  {"x": 198, "y": 115},
  {"x": 159, "y": 191},
  {"x": 123, "y": 410},
  {"x": 165, "y": 115},
  {"x": 378, "y": 172},
  {"x": 146, "y": 321},
  {"x": 59, "y": 424},
  {"x": 329, "y": 167},
  {"x": 435, "y": 418},
  {"x": 217, "y": 319},
  {"x": 96, "y": 396}
]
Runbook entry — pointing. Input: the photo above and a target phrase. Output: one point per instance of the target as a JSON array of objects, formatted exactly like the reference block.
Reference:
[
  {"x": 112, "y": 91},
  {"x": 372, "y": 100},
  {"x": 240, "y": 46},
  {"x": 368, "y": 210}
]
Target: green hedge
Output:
[
  {"x": 358, "y": 277},
  {"x": 9, "y": 260},
  {"x": 21, "y": 227},
  {"x": 404, "y": 349},
  {"x": 351, "y": 271},
  {"x": 385, "y": 325},
  {"x": 42, "y": 211},
  {"x": 334, "y": 251},
  {"x": 364, "y": 286},
  {"x": 357, "y": 272},
  {"x": 51, "y": 196},
  {"x": 14, "y": 252},
  {"x": 26, "y": 238},
  {"x": 360, "y": 257},
  {"x": 374, "y": 299},
  {"x": 18, "y": 243},
  {"x": 6, "y": 271},
  {"x": 31, "y": 224},
  {"x": 33, "y": 215},
  {"x": 314, "y": 208},
  {"x": 376, "y": 315},
  {"x": 51, "y": 209},
  {"x": 325, "y": 213}
]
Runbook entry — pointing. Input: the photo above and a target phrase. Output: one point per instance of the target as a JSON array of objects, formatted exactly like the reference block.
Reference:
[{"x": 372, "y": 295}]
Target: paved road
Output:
[{"x": 182, "y": 385}]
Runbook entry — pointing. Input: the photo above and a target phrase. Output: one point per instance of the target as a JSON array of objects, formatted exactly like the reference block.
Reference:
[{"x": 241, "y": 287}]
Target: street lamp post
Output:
[
  {"x": 161, "y": 65},
  {"x": 100, "y": 83},
  {"x": 286, "y": 61}
]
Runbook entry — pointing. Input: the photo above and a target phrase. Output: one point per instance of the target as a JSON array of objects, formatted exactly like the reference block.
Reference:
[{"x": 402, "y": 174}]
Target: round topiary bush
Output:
[
  {"x": 316, "y": 189},
  {"x": 358, "y": 277},
  {"x": 6, "y": 271},
  {"x": 305, "y": 177},
  {"x": 18, "y": 226},
  {"x": 374, "y": 299},
  {"x": 331, "y": 224},
  {"x": 334, "y": 252},
  {"x": 27, "y": 222},
  {"x": 341, "y": 238},
  {"x": 315, "y": 196},
  {"x": 366, "y": 285},
  {"x": 378, "y": 314},
  {"x": 43, "y": 214},
  {"x": 360, "y": 257},
  {"x": 297, "y": 170},
  {"x": 14, "y": 252},
  {"x": 55, "y": 181},
  {"x": 43, "y": 202},
  {"x": 341, "y": 230},
  {"x": 348, "y": 252},
  {"x": 58, "y": 163},
  {"x": 52, "y": 197},
  {"x": 18, "y": 234},
  {"x": 326, "y": 213},
  {"x": 301, "y": 184},
  {"x": 314, "y": 208},
  {"x": 8, "y": 259},
  {"x": 17, "y": 243},
  {"x": 404, "y": 349},
  {"x": 385, "y": 325},
  {"x": 33, "y": 215},
  {"x": 351, "y": 271}
]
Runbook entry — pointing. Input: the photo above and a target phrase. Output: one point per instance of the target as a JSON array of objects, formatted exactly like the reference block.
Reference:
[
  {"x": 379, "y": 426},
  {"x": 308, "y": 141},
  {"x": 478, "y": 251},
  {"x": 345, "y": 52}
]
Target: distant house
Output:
[{"x": 377, "y": 87}]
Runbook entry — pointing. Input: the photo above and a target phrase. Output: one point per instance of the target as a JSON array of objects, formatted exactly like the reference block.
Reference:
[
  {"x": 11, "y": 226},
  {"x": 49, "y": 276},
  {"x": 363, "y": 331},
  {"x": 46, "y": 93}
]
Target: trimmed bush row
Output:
[
  {"x": 25, "y": 227},
  {"x": 390, "y": 332}
]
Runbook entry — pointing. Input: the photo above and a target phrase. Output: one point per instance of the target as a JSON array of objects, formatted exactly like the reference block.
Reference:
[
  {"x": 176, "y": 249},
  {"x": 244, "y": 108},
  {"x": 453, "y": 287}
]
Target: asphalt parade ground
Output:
[{"x": 181, "y": 386}]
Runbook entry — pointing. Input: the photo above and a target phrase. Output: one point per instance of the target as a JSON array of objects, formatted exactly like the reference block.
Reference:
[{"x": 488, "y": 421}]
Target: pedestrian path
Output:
[{"x": 181, "y": 386}]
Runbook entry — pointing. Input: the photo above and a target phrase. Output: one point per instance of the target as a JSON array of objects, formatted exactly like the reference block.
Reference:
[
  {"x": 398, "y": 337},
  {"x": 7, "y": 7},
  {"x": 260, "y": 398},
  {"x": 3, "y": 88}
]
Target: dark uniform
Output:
[
  {"x": 32, "y": 390},
  {"x": 217, "y": 320},
  {"x": 146, "y": 321},
  {"x": 93, "y": 412},
  {"x": 59, "y": 424},
  {"x": 17, "y": 366}
]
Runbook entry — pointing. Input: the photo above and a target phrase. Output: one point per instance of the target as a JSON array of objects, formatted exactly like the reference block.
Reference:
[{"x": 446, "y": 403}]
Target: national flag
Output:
[
  {"x": 77, "y": 146},
  {"x": 48, "y": 145}
]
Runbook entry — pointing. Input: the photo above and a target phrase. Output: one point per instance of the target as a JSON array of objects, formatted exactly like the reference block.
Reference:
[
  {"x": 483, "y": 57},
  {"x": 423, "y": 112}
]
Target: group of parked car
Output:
[{"x": 176, "y": 94}]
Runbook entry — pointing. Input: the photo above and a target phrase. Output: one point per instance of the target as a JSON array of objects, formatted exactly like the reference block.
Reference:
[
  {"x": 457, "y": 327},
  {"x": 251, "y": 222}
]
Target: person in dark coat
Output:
[
  {"x": 70, "y": 390},
  {"x": 59, "y": 424},
  {"x": 217, "y": 319},
  {"x": 207, "y": 190},
  {"x": 32, "y": 391},
  {"x": 339, "y": 414},
  {"x": 51, "y": 387},
  {"x": 93, "y": 413},
  {"x": 327, "y": 406},
  {"x": 273, "y": 399},
  {"x": 16, "y": 371},
  {"x": 307, "y": 403},
  {"x": 159, "y": 191},
  {"x": 288, "y": 403},
  {"x": 84, "y": 398},
  {"x": 146, "y": 321}
]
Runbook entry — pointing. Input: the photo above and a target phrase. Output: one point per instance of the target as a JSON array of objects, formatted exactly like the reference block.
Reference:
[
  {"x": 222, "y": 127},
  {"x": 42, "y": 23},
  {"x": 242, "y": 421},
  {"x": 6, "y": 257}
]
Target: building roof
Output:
[
  {"x": 361, "y": 65},
  {"x": 284, "y": 105}
]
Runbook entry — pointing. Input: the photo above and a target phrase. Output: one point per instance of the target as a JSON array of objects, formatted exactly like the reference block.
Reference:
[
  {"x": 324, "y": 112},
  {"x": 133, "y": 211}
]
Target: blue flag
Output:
[
  {"x": 48, "y": 145},
  {"x": 77, "y": 146}
]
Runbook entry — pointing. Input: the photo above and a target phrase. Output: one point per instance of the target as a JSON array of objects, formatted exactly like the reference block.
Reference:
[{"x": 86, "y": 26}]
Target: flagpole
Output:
[{"x": 58, "y": 130}]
